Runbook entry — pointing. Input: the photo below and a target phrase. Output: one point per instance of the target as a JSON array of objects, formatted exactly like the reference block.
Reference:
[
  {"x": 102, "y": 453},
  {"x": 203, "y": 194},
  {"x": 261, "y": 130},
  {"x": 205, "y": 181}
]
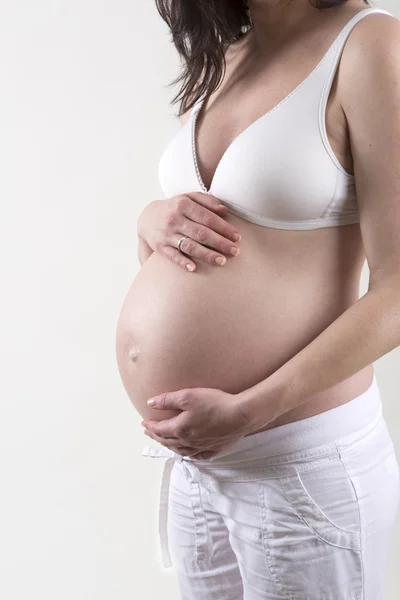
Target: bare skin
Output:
[{"x": 229, "y": 327}]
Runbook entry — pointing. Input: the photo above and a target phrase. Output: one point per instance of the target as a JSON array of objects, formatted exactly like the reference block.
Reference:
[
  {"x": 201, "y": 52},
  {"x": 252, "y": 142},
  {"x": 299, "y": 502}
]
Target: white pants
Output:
[{"x": 303, "y": 511}]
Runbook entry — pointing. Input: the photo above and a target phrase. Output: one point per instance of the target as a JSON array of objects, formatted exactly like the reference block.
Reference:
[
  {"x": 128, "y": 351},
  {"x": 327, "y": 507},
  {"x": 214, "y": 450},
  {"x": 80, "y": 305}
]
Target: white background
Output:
[{"x": 84, "y": 116}]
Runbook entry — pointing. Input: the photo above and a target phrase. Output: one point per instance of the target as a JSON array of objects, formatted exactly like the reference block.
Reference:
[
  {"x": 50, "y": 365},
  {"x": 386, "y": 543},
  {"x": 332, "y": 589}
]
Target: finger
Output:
[
  {"x": 205, "y": 236},
  {"x": 173, "y": 444},
  {"x": 203, "y": 216},
  {"x": 208, "y": 201},
  {"x": 209, "y": 242},
  {"x": 175, "y": 256},
  {"x": 191, "y": 248},
  {"x": 203, "y": 455},
  {"x": 169, "y": 400},
  {"x": 166, "y": 428},
  {"x": 179, "y": 449}
]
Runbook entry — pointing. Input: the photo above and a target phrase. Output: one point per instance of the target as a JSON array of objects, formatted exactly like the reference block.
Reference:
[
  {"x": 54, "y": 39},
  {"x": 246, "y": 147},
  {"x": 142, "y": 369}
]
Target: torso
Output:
[
  {"x": 231, "y": 327},
  {"x": 242, "y": 98}
]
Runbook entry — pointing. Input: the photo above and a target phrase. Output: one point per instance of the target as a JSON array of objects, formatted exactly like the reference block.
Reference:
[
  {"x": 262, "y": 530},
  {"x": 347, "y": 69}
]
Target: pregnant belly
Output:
[{"x": 221, "y": 327}]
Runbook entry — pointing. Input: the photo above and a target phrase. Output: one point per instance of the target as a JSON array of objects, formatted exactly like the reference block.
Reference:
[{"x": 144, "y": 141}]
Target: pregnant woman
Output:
[{"x": 280, "y": 479}]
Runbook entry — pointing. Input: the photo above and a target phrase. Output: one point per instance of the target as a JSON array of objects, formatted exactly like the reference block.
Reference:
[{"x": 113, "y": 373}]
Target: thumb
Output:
[{"x": 168, "y": 400}]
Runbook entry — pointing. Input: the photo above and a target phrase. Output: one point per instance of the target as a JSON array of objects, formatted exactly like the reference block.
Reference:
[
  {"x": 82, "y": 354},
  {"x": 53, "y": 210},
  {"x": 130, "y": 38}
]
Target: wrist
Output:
[
  {"x": 264, "y": 402},
  {"x": 144, "y": 251},
  {"x": 144, "y": 219}
]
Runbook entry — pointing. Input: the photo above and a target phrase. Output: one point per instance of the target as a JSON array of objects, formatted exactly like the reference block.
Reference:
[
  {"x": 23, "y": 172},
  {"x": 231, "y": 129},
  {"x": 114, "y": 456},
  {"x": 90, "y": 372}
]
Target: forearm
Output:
[
  {"x": 144, "y": 251},
  {"x": 366, "y": 331},
  {"x": 143, "y": 223}
]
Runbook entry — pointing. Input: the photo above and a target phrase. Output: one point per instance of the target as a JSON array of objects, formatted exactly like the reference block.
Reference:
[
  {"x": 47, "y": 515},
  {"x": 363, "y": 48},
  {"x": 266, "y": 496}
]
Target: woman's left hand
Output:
[{"x": 210, "y": 420}]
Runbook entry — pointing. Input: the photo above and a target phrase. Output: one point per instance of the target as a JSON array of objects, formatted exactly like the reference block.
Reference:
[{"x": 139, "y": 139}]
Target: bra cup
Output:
[
  {"x": 285, "y": 173},
  {"x": 281, "y": 171}
]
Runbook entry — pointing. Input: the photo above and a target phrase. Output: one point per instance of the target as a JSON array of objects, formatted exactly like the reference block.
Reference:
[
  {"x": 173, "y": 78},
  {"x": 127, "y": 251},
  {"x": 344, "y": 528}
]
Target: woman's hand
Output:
[
  {"x": 196, "y": 215},
  {"x": 209, "y": 421}
]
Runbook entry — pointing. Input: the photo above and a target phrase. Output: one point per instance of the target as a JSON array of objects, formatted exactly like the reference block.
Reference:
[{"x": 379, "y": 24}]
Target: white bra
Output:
[{"x": 281, "y": 171}]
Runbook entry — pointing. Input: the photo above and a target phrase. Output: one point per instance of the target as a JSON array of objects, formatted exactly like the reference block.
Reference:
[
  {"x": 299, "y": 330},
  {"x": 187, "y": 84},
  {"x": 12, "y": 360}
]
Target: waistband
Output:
[
  {"x": 314, "y": 437},
  {"x": 346, "y": 422}
]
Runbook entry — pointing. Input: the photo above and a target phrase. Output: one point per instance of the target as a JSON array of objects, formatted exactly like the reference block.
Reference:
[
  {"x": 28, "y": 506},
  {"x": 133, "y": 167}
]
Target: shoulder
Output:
[
  {"x": 369, "y": 73},
  {"x": 376, "y": 32},
  {"x": 371, "y": 52}
]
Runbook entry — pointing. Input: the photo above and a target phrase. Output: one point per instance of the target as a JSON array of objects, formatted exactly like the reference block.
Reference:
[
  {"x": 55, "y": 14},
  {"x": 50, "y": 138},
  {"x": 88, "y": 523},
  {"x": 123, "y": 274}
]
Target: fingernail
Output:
[
  {"x": 151, "y": 402},
  {"x": 234, "y": 251},
  {"x": 221, "y": 260},
  {"x": 236, "y": 237},
  {"x": 190, "y": 267}
]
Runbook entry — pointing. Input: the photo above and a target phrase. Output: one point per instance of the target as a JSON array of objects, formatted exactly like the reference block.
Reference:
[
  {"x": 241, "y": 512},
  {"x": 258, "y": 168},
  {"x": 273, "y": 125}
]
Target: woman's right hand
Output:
[{"x": 196, "y": 215}]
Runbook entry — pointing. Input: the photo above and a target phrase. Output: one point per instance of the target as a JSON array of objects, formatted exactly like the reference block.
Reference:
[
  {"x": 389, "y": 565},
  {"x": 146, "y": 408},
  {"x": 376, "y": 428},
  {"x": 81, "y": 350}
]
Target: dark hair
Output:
[{"x": 201, "y": 31}]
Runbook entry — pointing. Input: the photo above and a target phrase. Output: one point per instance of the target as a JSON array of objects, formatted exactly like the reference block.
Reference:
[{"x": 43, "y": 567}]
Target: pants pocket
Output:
[
  {"x": 311, "y": 533},
  {"x": 374, "y": 470},
  {"x": 325, "y": 499}
]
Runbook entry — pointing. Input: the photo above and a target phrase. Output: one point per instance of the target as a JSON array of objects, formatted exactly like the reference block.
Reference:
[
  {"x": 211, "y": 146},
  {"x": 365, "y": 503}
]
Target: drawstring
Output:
[{"x": 192, "y": 475}]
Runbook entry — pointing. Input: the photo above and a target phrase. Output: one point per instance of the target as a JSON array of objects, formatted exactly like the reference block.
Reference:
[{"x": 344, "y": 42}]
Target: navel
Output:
[{"x": 133, "y": 354}]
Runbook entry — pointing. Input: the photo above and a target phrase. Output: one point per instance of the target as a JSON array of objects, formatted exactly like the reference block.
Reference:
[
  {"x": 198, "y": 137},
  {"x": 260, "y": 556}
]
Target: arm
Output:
[
  {"x": 144, "y": 250},
  {"x": 370, "y": 328}
]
